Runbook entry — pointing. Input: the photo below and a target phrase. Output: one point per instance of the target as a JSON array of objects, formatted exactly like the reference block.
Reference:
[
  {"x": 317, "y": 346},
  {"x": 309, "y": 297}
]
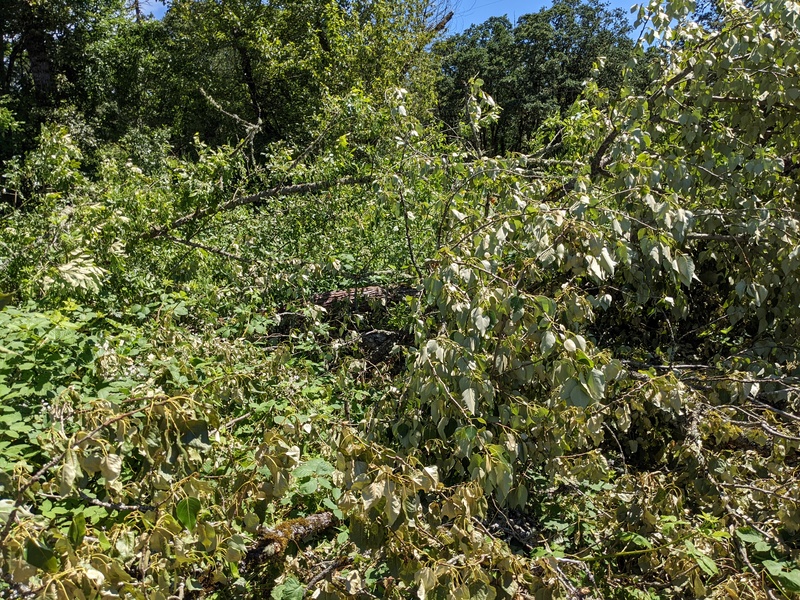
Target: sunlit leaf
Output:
[{"x": 186, "y": 512}]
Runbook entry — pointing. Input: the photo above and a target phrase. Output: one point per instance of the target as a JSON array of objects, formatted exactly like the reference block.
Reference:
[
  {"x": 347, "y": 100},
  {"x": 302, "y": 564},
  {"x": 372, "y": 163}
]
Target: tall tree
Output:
[
  {"x": 532, "y": 69},
  {"x": 46, "y": 58}
]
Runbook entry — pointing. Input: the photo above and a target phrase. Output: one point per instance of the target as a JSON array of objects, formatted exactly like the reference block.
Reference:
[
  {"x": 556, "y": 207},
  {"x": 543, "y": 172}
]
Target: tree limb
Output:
[
  {"x": 235, "y": 257},
  {"x": 273, "y": 542},
  {"x": 255, "y": 199}
]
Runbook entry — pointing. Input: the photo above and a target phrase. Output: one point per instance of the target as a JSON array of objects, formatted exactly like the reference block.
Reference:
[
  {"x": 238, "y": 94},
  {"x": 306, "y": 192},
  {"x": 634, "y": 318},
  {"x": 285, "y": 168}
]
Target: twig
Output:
[
  {"x": 621, "y": 452},
  {"x": 181, "y": 591},
  {"x": 116, "y": 505},
  {"x": 249, "y": 127},
  {"x": 235, "y": 257},
  {"x": 281, "y": 190},
  {"x": 763, "y": 424},
  {"x": 753, "y": 488},
  {"x": 777, "y": 411},
  {"x": 334, "y": 566},
  {"x": 231, "y": 423},
  {"x": 719, "y": 237},
  {"x": 408, "y": 235},
  {"x": 751, "y": 568},
  {"x": 641, "y": 365}
]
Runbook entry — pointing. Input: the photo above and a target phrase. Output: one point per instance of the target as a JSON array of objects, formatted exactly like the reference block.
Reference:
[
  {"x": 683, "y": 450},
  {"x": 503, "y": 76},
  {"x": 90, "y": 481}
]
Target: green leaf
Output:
[
  {"x": 77, "y": 529},
  {"x": 548, "y": 342},
  {"x": 596, "y": 383},
  {"x": 481, "y": 322},
  {"x": 773, "y": 567},
  {"x": 186, "y": 512},
  {"x": 706, "y": 563},
  {"x": 575, "y": 391},
  {"x": 40, "y": 556},
  {"x": 685, "y": 270},
  {"x": 582, "y": 358},
  {"x": 291, "y": 589},
  {"x": 636, "y": 538},
  {"x": 791, "y": 580},
  {"x": 547, "y": 305},
  {"x": 746, "y": 534},
  {"x": 309, "y": 487},
  {"x": 315, "y": 466},
  {"x": 468, "y": 396}
]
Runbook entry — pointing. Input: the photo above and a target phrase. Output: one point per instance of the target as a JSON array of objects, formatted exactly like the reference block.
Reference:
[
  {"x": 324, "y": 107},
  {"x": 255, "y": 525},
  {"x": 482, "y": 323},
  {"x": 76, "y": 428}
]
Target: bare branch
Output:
[
  {"x": 332, "y": 567},
  {"x": 235, "y": 257},
  {"x": 116, "y": 505},
  {"x": 718, "y": 237},
  {"x": 255, "y": 199},
  {"x": 249, "y": 127}
]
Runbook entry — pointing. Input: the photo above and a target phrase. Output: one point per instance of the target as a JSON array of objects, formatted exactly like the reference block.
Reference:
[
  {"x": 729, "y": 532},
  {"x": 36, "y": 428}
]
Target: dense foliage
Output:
[
  {"x": 532, "y": 69},
  {"x": 270, "y": 329}
]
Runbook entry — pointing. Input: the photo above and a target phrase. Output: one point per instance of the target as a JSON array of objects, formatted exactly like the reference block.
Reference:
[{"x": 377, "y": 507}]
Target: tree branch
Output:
[
  {"x": 255, "y": 199},
  {"x": 718, "y": 237},
  {"x": 443, "y": 23},
  {"x": 274, "y": 542},
  {"x": 235, "y": 257},
  {"x": 598, "y": 165}
]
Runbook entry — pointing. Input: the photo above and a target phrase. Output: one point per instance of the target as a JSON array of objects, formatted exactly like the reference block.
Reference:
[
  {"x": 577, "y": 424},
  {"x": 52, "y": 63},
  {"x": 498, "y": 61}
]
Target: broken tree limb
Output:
[
  {"x": 207, "y": 248},
  {"x": 254, "y": 199},
  {"x": 359, "y": 295},
  {"x": 443, "y": 22},
  {"x": 273, "y": 542}
]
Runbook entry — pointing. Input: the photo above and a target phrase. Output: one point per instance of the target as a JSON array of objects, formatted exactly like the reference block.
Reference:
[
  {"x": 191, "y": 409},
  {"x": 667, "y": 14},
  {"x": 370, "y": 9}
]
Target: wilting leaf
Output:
[
  {"x": 111, "y": 467},
  {"x": 196, "y": 435}
]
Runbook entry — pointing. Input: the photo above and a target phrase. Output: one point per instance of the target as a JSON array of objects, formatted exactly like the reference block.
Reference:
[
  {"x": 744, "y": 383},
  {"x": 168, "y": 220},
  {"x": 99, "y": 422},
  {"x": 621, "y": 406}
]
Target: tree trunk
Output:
[{"x": 35, "y": 42}]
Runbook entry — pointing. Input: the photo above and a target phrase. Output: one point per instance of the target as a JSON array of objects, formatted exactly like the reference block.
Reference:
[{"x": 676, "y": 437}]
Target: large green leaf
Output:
[
  {"x": 186, "y": 512},
  {"x": 41, "y": 556},
  {"x": 291, "y": 589}
]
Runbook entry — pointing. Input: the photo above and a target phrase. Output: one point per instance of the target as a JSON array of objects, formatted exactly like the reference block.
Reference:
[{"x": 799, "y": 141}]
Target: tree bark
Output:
[{"x": 35, "y": 42}]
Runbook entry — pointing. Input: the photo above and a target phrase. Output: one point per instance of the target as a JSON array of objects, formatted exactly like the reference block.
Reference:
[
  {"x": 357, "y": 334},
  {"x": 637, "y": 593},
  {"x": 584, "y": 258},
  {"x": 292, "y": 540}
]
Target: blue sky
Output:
[{"x": 467, "y": 12}]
